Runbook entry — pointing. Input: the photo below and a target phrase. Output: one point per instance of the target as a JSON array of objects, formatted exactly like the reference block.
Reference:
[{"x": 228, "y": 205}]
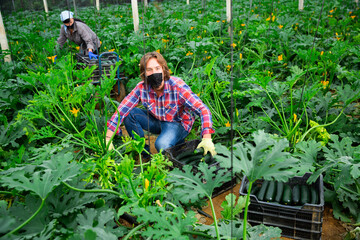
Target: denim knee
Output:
[{"x": 162, "y": 143}]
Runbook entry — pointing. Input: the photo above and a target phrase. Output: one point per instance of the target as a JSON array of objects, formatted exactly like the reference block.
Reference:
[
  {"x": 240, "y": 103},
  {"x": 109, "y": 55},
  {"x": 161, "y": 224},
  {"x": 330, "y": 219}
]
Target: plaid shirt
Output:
[{"x": 177, "y": 104}]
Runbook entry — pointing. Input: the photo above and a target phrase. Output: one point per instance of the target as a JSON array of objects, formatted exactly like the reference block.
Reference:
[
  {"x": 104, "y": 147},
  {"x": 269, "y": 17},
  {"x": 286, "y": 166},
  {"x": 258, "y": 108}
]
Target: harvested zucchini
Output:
[
  {"x": 304, "y": 196},
  {"x": 270, "y": 192},
  {"x": 184, "y": 155},
  {"x": 314, "y": 195},
  {"x": 296, "y": 194},
  {"x": 279, "y": 191},
  {"x": 207, "y": 157},
  {"x": 286, "y": 198},
  {"x": 261, "y": 194},
  {"x": 254, "y": 189},
  {"x": 199, "y": 151},
  {"x": 191, "y": 159}
]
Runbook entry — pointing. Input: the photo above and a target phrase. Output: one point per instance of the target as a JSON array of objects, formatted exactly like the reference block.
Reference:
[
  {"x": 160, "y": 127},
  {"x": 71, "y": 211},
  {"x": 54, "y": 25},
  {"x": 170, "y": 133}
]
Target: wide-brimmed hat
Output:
[{"x": 66, "y": 15}]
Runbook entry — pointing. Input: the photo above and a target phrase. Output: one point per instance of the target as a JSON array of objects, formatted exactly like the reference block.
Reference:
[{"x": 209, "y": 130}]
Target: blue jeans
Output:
[{"x": 170, "y": 133}]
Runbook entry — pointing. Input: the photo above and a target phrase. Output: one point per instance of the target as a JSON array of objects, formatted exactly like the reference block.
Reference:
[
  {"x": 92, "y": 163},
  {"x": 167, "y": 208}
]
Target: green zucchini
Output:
[
  {"x": 262, "y": 191},
  {"x": 199, "y": 151},
  {"x": 207, "y": 157},
  {"x": 286, "y": 197},
  {"x": 279, "y": 191},
  {"x": 190, "y": 159},
  {"x": 254, "y": 189},
  {"x": 314, "y": 195},
  {"x": 185, "y": 154},
  {"x": 304, "y": 196},
  {"x": 296, "y": 194},
  {"x": 270, "y": 192}
]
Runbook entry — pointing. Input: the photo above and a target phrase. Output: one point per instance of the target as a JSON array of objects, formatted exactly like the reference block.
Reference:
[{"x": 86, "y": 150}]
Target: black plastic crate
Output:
[
  {"x": 296, "y": 222},
  {"x": 107, "y": 60},
  {"x": 173, "y": 152}
]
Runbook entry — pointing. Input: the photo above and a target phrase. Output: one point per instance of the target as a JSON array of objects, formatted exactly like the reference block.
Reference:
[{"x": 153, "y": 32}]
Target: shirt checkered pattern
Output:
[{"x": 177, "y": 104}]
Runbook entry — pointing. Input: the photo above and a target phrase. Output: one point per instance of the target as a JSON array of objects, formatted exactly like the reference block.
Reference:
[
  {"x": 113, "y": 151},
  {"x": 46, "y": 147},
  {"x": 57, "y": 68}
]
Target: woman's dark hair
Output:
[
  {"x": 161, "y": 60},
  {"x": 75, "y": 19}
]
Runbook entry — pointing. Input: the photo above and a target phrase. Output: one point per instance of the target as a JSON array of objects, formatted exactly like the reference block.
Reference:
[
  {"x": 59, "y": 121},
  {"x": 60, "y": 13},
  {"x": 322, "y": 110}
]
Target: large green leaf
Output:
[
  {"x": 307, "y": 153},
  {"x": 6, "y": 221},
  {"x": 165, "y": 224},
  {"x": 267, "y": 158},
  {"x": 100, "y": 222},
  {"x": 190, "y": 187},
  {"x": 231, "y": 208},
  {"x": 46, "y": 177}
]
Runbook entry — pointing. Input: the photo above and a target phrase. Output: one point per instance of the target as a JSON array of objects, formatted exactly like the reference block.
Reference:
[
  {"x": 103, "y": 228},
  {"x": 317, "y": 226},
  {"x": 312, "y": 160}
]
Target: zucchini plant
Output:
[{"x": 266, "y": 158}]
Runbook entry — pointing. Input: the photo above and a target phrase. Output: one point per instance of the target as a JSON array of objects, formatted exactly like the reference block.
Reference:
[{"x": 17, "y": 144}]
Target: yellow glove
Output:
[
  {"x": 111, "y": 146},
  {"x": 208, "y": 146}
]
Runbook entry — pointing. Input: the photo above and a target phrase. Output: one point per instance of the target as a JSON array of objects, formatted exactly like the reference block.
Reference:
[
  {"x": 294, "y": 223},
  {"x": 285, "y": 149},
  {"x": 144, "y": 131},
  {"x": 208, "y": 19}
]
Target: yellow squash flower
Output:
[
  {"x": 75, "y": 111},
  {"x": 227, "y": 124},
  {"x": 280, "y": 26},
  {"x": 325, "y": 84},
  {"x": 241, "y": 56},
  {"x": 280, "y": 57},
  {"x": 147, "y": 183}
]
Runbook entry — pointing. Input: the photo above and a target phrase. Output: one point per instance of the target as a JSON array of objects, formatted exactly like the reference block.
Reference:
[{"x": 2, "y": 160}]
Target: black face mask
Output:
[
  {"x": 155, "y": 80},
  {"x": 71, "y": 26}
]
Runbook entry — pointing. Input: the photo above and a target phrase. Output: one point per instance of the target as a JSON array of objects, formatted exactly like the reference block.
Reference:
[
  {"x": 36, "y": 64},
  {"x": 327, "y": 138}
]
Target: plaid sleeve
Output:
[
  {"x": 129, "y": 102},
  {"x": 193, "y": 102}
]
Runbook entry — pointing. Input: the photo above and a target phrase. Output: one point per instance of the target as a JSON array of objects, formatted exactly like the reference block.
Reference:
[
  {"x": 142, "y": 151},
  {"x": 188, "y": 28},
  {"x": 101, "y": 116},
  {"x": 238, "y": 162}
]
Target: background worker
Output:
[
  {"x": 170, "y": 108},
  {"x": 80, "y": 33}
]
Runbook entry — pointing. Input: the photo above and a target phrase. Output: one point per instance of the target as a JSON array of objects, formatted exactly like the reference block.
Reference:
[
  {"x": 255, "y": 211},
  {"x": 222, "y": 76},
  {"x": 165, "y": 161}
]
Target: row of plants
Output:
[{"x": 294, "y": 76}]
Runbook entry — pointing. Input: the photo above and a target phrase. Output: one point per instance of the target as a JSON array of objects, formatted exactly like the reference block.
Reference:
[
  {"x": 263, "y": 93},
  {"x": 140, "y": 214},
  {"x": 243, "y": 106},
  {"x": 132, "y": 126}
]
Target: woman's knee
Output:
[
  {"x": 130, "y": 118},
  {"x": 162, "y": 143}
]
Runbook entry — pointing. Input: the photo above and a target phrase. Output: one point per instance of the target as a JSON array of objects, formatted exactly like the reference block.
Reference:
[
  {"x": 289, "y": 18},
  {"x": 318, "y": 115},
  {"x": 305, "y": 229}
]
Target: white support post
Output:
[
  {"x": 135, "y": 13},
  {"x": 98, "y": 5},
  {"x": 187, "y": 2},
  {"x": 46, "y": 7},
  {"x": 146, "y": 3},
  {"x": 301, "y": 5},
  {"x": 3, "y": 40},
  {"x": 13, "y": 5},
  {"x": 228, "y": 11},
  {"x": 357, "y": 3},
  {"x": 74, "y": 3}
]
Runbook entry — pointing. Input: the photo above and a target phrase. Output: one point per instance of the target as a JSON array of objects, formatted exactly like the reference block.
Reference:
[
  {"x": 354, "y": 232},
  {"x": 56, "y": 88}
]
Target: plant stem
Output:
[
  {"x": 214, "y": 217},
  {"x": 133, "y": 188},
  {"x": 92, "y": 190},
  {"x": 246, "y": 210},
  {"x": 11, "y": 193},
  {"x": 131, "y": 233},
  {"x": 197, "y": 233},
  {"x": 323, "y": 125},
  {"x": 28, "y": 220}
]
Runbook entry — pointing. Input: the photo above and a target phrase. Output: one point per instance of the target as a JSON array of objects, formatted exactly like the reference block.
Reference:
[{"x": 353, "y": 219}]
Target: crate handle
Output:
[{"x": 117, "y": 60}]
